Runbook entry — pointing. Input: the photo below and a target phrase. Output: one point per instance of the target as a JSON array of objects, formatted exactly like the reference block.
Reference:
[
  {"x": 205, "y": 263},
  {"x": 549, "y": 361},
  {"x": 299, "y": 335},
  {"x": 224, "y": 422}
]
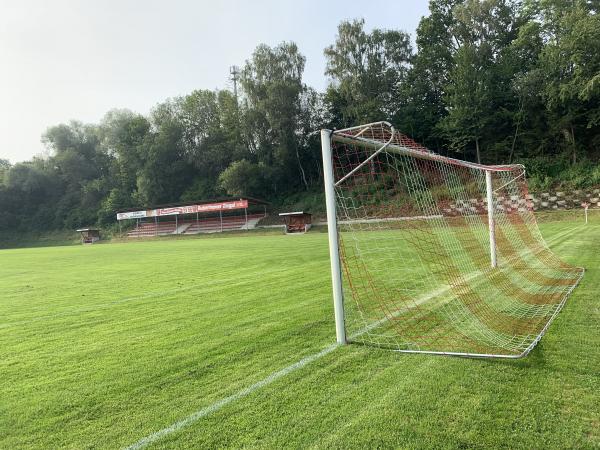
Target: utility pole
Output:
[{"x": 234, "y": 71}]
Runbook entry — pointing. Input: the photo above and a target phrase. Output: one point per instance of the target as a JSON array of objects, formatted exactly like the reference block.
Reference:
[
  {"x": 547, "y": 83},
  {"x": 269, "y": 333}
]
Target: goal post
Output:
[
  {"x": 432, "y": 254},
  {"x": 490, "y": 211},
  {"x": 334, "y": 255}
]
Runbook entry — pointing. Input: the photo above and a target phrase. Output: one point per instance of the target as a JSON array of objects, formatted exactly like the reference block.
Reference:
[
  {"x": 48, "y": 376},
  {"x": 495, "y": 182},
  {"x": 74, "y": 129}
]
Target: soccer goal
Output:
[{"x": 433, "y": 254}]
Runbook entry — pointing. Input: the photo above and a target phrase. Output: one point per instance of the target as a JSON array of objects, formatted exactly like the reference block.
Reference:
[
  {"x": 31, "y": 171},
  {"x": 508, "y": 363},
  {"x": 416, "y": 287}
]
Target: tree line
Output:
[{"x": 495, "y": 81}]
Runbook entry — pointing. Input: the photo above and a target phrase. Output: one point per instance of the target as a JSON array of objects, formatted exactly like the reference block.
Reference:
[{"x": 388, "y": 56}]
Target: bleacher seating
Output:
[
  {"x": 148, "y": 229},
  {"x": 213, "y": 224},
  {"x": 203, "y": 225}
]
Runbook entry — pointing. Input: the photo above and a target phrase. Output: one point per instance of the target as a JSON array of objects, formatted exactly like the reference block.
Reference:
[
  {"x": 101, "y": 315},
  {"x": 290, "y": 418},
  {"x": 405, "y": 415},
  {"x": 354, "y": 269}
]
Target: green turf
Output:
[{"x": 103, "y": 345}]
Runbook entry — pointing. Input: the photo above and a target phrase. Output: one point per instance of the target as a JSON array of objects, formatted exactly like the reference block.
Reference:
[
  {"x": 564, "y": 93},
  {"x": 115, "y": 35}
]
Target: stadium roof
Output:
[
  {"x": 295, "y": 213},
  {"x": 251, "y": 200},
  {"x": 206, "y": 206}
]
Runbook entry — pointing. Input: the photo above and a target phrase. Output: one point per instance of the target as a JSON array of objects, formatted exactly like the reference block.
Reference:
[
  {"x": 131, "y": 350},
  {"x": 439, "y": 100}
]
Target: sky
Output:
[{"x": 63, "y": 59}]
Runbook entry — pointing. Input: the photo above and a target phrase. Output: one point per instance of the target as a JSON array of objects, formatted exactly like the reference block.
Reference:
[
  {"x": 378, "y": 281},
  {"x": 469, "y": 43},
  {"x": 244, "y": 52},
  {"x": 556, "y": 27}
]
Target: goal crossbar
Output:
[{"x": 339, "y": 136}]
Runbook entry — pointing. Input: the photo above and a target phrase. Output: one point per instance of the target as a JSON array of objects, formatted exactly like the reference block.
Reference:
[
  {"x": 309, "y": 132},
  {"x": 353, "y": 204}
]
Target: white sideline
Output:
[{"x": 283, "y": 372}]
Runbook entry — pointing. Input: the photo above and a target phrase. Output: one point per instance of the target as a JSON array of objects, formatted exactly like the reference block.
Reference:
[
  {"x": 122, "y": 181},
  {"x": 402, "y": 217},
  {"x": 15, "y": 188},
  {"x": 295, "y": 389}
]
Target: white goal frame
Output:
[{"x": 341, "y": 136}]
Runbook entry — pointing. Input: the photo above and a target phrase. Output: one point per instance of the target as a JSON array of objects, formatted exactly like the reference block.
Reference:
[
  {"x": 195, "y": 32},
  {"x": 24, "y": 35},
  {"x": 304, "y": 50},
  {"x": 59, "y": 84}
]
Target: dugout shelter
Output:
[
  {"x": 297, "y": 222},
  {"x": 89, "y": 235}
]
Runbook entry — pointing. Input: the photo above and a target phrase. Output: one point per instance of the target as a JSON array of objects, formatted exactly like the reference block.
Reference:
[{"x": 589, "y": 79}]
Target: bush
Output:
[
  {"x": 243, "y": 178},
  {"x": 547, "y": 172}
]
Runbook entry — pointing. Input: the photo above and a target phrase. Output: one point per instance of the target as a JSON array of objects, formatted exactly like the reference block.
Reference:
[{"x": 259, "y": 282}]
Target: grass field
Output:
[{"x": 198, "y": 339}]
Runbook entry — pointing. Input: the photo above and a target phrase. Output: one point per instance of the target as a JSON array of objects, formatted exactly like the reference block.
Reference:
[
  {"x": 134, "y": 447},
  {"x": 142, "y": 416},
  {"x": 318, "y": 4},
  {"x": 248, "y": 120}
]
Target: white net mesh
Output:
[{"x": 415, "y": 250}]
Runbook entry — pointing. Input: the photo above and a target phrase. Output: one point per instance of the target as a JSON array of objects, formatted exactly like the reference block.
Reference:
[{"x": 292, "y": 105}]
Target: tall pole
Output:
[
  {"x": 334, "y": 254},
  {"x": 234, "y": 71},
  {"x": 491, "y": 221}
]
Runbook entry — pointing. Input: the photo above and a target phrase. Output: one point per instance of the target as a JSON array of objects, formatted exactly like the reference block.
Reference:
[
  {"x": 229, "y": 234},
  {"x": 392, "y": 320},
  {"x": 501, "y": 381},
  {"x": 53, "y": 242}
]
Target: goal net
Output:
[{"x": 437, "y": 255}]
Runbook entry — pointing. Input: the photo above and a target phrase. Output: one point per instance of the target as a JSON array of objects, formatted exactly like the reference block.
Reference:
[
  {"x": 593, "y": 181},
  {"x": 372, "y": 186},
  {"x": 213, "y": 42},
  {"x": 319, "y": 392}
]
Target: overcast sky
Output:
[{"x": 62, "y": 60}]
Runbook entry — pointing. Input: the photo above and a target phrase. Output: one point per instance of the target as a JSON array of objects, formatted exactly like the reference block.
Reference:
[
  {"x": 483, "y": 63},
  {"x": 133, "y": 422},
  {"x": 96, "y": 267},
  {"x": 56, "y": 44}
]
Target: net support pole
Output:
[
  {"x": 334, "y": 254},
  {"x": 491, "y": 221}
]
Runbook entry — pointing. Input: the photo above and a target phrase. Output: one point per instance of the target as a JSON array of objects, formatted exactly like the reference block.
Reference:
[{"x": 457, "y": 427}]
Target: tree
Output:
[
  {"x": 498, "y": 80},
  {"x": 123, "y": 135},
  {"x": 82, "y": 167},
  {"x": 569, "y": 66},
  {"x": 476, "y": 92},
  {"x": 76, "y": 153},
  {"x": 313, "y": 115},
  {"x": 4, "y": 167},
  {"x": 165, "y": 172},
  {"x": 32, "y": 192},
  {"x": 211, "y": 135},
  {"x": 367, "y": 71},
  {"x": 272, "y": 86},
  {"x": 423, "y": 92},
  {"x": 243, "y": 178}
]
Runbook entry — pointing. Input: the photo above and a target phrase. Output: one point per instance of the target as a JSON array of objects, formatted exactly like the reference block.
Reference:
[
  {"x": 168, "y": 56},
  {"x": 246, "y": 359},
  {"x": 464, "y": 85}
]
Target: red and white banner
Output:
[
  {"x": 206, "y": 207},
  {"x": 188, "y": 209}
]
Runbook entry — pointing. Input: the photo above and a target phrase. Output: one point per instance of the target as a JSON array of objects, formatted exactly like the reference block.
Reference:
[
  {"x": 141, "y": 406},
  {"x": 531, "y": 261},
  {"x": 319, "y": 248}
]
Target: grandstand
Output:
[{"x": 210, "y": 216}]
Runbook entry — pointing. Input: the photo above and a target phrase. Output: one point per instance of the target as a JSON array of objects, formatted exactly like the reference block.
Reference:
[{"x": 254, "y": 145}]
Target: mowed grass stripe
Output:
[
  {"x": 130, "y": 369},
  {"x": 247, "y": 391},
  {"x": 269, "y": 281},
  {"x": 182, "y": 329},
  {"x": 453, "y": 403},
  {"x": 122, "y": 270}
]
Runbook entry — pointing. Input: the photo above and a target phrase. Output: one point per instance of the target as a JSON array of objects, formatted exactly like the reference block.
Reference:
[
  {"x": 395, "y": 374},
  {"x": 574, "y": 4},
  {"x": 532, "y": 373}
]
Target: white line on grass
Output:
[
  {"x": 268, "y": 380},
  {"x": 225, "y": 401},
  {"x": 283, "y": 372}
]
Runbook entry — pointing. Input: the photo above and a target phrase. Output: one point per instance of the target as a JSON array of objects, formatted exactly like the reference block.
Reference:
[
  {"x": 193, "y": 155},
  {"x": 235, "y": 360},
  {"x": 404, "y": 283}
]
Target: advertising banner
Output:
[
  {"x": 132, "y": 215},
  {"x": 207, "y": 207},
  {"x": 188, "y": 209}
]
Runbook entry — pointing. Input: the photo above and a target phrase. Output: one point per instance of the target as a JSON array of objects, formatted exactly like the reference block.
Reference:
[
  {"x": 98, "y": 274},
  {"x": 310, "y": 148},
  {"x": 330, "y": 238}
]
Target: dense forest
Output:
[{"x": 489, "y": 80}]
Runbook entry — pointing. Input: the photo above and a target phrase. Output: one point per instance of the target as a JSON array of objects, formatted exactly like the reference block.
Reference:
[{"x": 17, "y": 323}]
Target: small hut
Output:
[
  {"x": 297, "y": 222},
  {"x": 89, "y": 235}
]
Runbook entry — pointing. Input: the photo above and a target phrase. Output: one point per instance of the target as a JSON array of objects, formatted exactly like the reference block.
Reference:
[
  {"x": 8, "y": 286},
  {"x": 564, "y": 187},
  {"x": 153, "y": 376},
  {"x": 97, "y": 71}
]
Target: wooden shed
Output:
[
  {"x": 89, "y": 235},
  {"x": 297, "y": 222}
]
